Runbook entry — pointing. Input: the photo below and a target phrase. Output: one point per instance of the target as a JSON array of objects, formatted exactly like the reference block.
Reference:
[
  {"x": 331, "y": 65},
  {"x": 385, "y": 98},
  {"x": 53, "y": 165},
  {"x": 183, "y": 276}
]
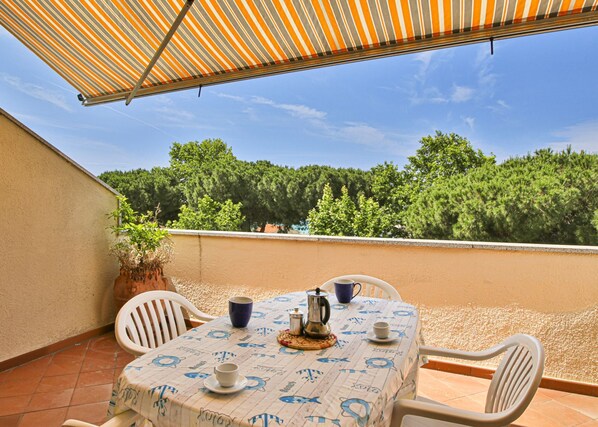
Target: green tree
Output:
[
  {"x": 147, "y": 189},
  {"x": 343, "y": 217},
  {"x": 209, "y": 214},
  {"x": 539, "y": 198}
]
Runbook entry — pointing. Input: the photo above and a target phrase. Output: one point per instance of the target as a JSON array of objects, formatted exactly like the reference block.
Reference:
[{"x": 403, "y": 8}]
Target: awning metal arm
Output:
[{"x": 160, "y": 49}]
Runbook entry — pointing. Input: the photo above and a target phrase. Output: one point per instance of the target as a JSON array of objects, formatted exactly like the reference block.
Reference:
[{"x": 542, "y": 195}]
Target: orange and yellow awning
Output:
[{"x": 102, "y": 47}]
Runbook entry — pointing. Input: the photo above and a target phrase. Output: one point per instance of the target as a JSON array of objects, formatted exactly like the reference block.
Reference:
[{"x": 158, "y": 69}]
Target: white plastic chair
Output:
[
  {"x": 511, "y": 390},
  {"x": 370, "y": 286},
  {"x": 153, "y": 318},
  {"x": 126, "y": 419}
]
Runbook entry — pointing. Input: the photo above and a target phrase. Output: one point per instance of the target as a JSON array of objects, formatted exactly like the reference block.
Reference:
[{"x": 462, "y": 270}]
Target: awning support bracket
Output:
[
  {"x": 491, "y": 45},
  {"x": 167, "y": 37}
]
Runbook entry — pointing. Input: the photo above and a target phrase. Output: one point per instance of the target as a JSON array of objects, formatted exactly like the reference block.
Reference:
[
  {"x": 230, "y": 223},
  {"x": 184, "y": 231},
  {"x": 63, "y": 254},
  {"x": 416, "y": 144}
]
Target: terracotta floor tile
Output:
[
  {"x": 13, "y": 405},
  {"x": 64, "y": 365},
  {"x": 593, "y": 423},
  {"x": 76, "y": 350},
  {"x": 587, "y": 405},
  {"x": 47, "y": 418},
  {"x": 472, "y": 402},
  {"x": 50, "y": 400},
  {"x": 4, "y": 375},
  {"x": 557, "y": 413},
  {"x": 87, "y": 379},
  {"x": 16, "y": 387},
  {"x": 98, "y": 364},
  {"x": 105, "y": 343},
  {"x": 123, "y": 359},
  {"x": 94, "y": 413},
  {"x": 551, "y": 394},
  {"x": 93, "y": 394},
  {"x": 34, "y": 369},
  {"x": 10, "y": 421},
  {"x": 57, "y": 383}
]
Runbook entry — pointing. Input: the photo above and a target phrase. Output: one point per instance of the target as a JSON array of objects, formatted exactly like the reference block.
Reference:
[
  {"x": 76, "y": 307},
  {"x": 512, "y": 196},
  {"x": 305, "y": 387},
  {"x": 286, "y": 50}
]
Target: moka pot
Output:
[{"x": 318, "y": 314}]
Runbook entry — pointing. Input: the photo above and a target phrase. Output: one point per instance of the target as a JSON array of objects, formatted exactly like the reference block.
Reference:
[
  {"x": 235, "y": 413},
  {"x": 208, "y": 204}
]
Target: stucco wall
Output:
[
  {"x": 470, "y": 295},
  {"x": 55, "y": 273}
]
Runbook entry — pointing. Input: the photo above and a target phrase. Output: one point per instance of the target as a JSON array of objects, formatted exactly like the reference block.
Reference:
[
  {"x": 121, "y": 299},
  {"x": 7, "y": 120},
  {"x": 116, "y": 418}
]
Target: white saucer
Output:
[
  {"x": 393, "y": 336},
  {"x": 212, "y": 384}
]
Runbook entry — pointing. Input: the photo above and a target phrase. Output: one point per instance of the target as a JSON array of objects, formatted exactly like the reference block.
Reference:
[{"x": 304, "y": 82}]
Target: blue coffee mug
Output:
[
  {"x": 344, "y": 288},
  {"x": 239, "y": 310}
]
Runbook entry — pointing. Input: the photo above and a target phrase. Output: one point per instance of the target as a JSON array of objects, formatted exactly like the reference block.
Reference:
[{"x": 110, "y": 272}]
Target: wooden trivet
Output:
[{"x": 304, "y": 343}]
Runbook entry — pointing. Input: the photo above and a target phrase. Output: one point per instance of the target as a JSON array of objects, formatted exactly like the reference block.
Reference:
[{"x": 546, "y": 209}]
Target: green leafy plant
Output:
[{"x": 141, "y": 244}]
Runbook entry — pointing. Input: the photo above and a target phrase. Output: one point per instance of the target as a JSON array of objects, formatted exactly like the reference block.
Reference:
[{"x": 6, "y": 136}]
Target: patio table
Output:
[{"x": 353, "y": 383}]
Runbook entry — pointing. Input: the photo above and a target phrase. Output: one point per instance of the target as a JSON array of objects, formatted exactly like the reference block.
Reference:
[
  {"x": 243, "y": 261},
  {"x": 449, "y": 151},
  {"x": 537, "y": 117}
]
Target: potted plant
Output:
[{"x": 142, "y": 248}]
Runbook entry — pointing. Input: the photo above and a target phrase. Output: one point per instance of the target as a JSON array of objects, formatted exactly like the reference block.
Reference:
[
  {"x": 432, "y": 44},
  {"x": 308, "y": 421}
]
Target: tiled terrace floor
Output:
[{"x": 77, "y": 383}]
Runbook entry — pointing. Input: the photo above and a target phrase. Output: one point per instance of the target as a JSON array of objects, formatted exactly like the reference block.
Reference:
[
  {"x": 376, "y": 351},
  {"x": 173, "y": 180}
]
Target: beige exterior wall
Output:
[
  {"x": 55, "y": 272},
  {"x": 471, "y": 295}
]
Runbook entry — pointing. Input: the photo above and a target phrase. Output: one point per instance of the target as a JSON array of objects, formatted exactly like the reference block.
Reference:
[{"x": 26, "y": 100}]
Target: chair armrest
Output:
[
  {"x": 125, "y": 419},
  {"x": 405, "y": 407},
  {"x": 203, "y": 317},
  {"x": 467, "y": 355},
  {"x": 76, "y": 423}
]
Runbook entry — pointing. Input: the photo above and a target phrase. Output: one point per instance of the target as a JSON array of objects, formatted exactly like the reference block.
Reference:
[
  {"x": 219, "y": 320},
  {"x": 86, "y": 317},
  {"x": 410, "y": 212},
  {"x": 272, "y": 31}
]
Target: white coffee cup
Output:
[
  {"x": 381, "y": 330},
  {"x": 227, "y": 374}
]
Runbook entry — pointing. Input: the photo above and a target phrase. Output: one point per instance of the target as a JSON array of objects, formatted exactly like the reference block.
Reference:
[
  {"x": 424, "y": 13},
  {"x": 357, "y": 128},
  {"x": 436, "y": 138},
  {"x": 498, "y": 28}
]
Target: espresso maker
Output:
[{"x": 318, "y": 314}]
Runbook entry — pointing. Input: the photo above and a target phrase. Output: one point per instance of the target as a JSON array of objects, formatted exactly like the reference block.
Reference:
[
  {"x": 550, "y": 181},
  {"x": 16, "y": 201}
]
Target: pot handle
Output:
[{"x": 325, "y": 303}]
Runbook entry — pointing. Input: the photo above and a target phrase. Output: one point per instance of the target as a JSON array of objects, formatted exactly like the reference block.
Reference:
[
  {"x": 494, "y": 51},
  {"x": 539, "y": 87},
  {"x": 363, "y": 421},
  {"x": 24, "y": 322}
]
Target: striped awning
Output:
[{"x": 102, "y": 47}]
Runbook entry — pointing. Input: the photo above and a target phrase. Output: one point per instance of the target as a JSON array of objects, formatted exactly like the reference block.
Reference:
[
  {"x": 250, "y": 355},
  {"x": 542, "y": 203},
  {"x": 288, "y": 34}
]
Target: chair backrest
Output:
[
  {"x": 517, "y": 377},
  {"x": 370, "y": 286},
  {"x": 151, "y": 319}
]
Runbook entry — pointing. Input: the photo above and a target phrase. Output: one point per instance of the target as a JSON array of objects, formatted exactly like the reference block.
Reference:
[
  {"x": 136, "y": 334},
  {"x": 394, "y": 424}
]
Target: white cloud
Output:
[
  {"x": 469, "y": 121},
  {"x": 581, "y": 136},
  {"x": 424, "y": 58},
  {"x": 461, "y": 93},
  {"x": 429, "y": 95},
  {"x": 35, "y": 91},
  {"x": 233, "y": 97},
  {"x": 296, "y": 110}
]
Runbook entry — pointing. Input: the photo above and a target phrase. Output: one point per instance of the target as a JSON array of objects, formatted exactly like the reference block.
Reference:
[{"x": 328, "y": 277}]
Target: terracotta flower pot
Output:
[{"x": 127, "y": 285}]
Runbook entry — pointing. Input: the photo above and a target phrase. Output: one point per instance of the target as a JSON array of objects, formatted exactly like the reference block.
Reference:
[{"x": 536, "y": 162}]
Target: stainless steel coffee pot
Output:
[{"x": 318, "y": 314}]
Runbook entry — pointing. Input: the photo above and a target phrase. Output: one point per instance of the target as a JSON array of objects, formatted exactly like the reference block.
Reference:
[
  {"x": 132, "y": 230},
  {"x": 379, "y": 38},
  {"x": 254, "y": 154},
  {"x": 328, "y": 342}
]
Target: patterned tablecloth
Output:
[{"x": 353, "y": 383}]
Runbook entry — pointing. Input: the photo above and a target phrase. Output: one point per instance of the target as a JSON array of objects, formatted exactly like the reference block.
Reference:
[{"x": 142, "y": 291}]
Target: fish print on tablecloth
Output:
[
  {"x": 161, "y": 401},
  {"x": 251, "y": 345},
  {"x": 194, "y": 375},
  {"x": 163, "y": 361},
  {"x": 137, "y": 368},
  {"x": 258, "y": 315},
  {"x": 260, "y": 383},
  {"x": 356, "y": 408},
  {"x": 323, "y": 420},
  {"x": 223, "y": 356},
  {"x": 282, "y": 299},
  {"x": 310, "y": 375},
  {"x": 263, "y": 355},
  {"x": 333, "y": 359},
  {"x": 354, "y": 332},
  {"x": 265, "y": 419},
  {"x": 370, "y": 312},
  {"x": 353, "y": 371},
  {"x": 299, "y": 399},
  {"x": 369, "y": 301},
  {"x": 281, "y": 322},
  {"x": 219, "y": 335},
  {"x": 401, "y": 334},
  {"x": 338, "y": 306}
]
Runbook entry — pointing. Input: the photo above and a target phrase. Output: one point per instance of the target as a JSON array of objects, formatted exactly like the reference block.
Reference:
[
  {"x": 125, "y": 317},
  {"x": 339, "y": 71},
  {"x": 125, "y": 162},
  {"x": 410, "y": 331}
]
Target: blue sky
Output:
[{"x": 534, "y": 92}]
